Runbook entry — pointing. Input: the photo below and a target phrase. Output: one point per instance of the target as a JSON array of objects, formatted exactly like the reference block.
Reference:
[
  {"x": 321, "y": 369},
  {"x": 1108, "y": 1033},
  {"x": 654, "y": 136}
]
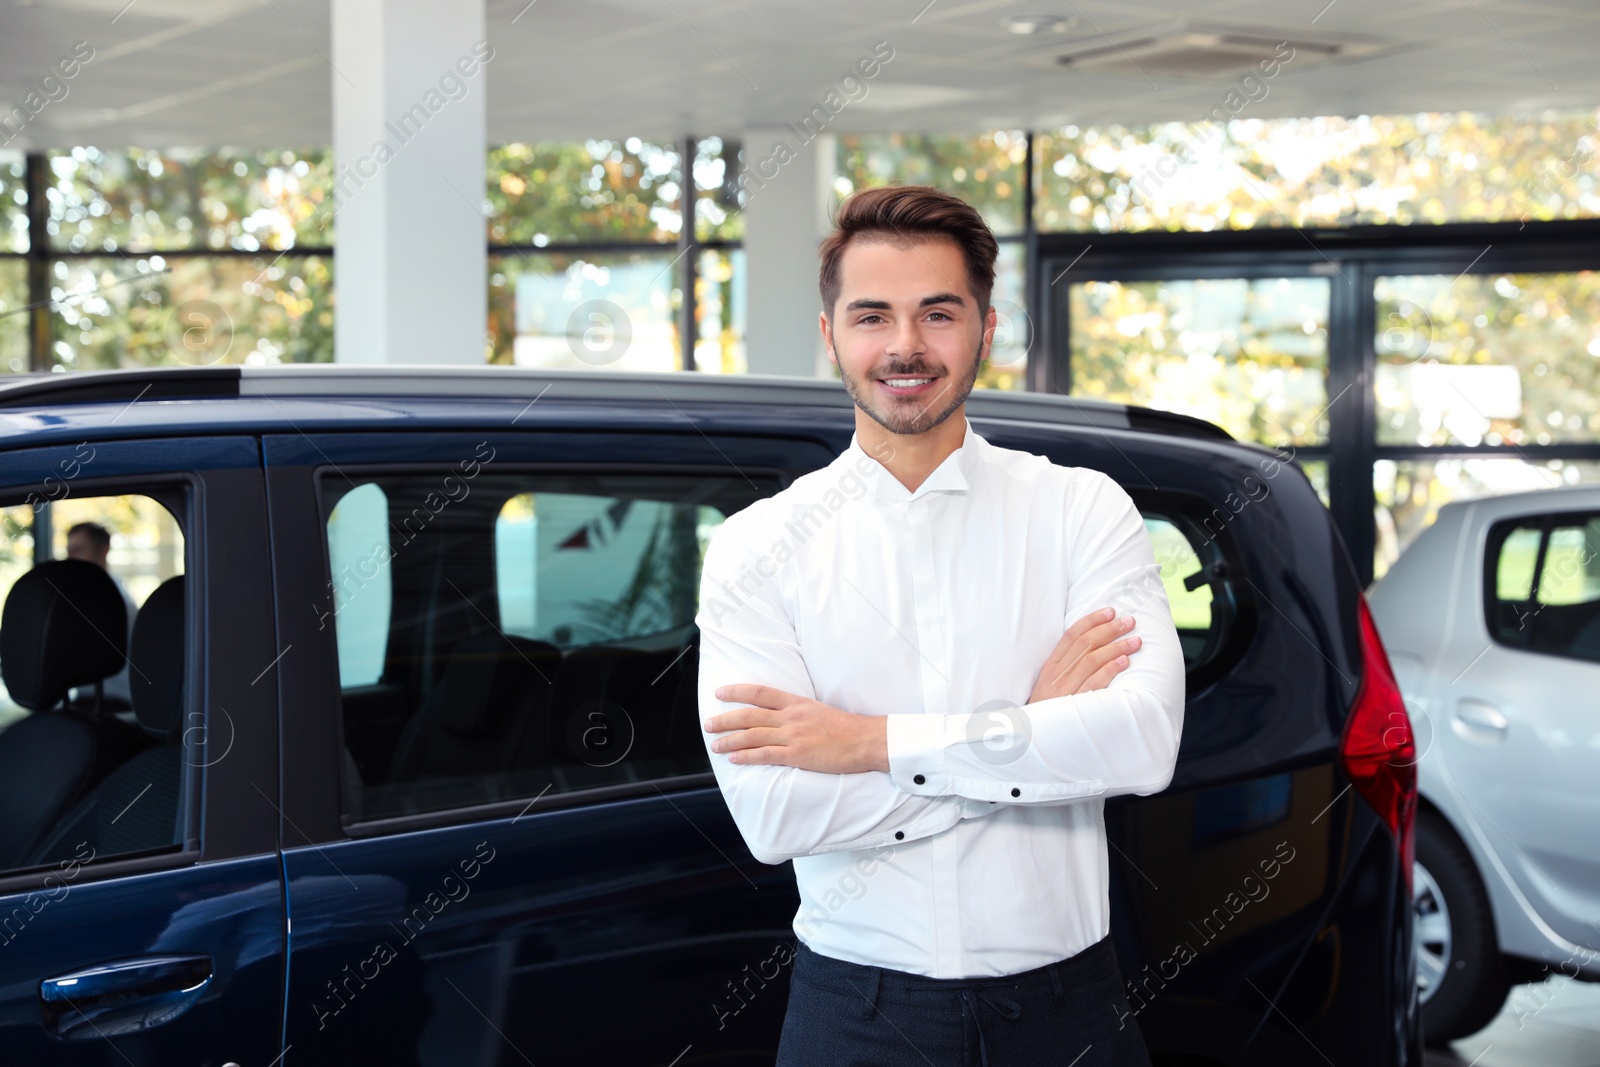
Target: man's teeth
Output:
[{"x": 906, "y": 383}]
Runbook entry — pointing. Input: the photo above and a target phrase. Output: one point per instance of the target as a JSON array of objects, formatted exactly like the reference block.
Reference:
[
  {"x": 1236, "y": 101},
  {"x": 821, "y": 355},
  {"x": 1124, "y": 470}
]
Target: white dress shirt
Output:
[{"x": 980, "y": 852}]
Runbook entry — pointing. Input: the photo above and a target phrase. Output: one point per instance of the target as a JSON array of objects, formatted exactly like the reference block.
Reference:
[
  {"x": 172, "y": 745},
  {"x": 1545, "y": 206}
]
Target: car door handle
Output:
[
  {"x": 1479, "y": 721},
  {"x": 123, "y": 996}
]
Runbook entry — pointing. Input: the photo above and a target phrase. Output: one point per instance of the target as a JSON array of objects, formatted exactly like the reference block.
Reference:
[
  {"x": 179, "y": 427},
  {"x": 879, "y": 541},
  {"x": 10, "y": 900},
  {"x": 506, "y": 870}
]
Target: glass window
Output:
[
  {"x": 13, "y": 316},
  {"x": 1007, "y": 365},
  {"x": 539, "y": 631},
  {"x": 718, "y": 212},
  {"x": 615, "y": 310},
  {"x": 154, "y": 311},
  {"x": 1519, "y": 556},
  {"x": 149, "y": 200},
  {"x": 13, "y": 201},
  {"x": 1250, "y": 355},
  {"x": 986, "y": 170},
  {"x": 107, "y": 600},
  {"x": 1191, "y": 608},
  {"x": 1488, "y": 359},
  {"x": 1230, "y": 170},
  {"x": 1546, "y": 592},
  {"x": 546, "y": 193},
  {"x": 721, "y": 311},
  {"x": 1188, "y": 551},
  {"x": 1411, "y": 492},
  {"x": 358, "y": 557}
]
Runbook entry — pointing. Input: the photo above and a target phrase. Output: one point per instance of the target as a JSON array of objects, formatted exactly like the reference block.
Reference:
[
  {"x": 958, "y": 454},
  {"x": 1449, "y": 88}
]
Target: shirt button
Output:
[
  {"x": 1016, "y": 792},
  {"x": 919, "y": 779},
  {"x": 899, "y": 835}
]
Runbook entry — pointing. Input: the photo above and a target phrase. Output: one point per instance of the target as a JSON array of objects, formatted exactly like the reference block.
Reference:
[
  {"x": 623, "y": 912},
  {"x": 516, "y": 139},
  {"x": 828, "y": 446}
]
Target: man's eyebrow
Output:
[{"x": 866, "y": 304}]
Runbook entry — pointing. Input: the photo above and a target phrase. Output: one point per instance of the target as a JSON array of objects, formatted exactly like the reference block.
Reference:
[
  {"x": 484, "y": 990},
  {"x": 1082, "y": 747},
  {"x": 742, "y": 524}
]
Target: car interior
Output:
[
  {"x": 81, "y": 774},
  {"x": 513, "y": 663}
]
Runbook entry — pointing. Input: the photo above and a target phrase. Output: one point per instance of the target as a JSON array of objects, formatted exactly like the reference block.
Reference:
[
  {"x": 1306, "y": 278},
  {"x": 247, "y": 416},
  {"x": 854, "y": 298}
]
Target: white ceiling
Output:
[{"x": 256, "y": 72}]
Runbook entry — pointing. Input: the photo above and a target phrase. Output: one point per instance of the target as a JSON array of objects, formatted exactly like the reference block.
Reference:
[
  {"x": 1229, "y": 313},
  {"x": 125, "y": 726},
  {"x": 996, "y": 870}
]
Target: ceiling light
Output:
[{"x": 1027, "y": 25}]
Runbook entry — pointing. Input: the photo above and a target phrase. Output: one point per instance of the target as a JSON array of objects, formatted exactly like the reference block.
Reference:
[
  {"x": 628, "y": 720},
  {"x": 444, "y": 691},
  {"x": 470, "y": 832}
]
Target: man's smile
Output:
[{"x": 908, "y": 385}]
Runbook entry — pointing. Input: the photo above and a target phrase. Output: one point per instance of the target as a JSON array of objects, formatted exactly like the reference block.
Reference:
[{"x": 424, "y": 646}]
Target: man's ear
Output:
[
  {"x": 991, "y": 322},
  {"x": 827, "y": 335}
]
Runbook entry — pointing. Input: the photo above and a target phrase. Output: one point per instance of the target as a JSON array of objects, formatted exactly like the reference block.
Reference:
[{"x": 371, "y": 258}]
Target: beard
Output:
[{"x": 910, "y": 414}]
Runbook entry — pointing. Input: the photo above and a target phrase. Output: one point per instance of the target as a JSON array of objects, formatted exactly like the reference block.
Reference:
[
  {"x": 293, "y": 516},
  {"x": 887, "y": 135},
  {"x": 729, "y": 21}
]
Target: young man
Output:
[{"x": 890, "y": 702}]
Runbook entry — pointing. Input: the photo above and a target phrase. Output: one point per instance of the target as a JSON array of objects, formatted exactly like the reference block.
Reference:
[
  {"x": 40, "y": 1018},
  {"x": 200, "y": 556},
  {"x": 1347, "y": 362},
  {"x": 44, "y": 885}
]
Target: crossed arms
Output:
[{"x": 802, "y": 777}]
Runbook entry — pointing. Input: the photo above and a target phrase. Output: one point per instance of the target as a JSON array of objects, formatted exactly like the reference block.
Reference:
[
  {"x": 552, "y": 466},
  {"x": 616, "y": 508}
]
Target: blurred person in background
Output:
[{"x": 91, "y": 542}]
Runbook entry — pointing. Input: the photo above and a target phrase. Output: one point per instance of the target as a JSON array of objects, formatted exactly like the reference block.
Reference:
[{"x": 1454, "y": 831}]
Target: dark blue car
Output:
[{"x": 409, "y": 768}]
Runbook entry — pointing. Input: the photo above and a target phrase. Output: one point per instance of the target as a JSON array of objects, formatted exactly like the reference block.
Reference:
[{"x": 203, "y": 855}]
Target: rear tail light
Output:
[{"x": 1378, "y": 749}]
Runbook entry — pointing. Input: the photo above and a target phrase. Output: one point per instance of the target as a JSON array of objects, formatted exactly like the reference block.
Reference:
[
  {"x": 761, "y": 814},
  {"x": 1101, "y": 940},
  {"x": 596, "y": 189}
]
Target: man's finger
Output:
[
  {"x": 740, "y": 719},
  {"x": 1074, "y": 677},
  {"x": 1093, "y": 639},
  {"x": 1102, "y": 677},
  {"x": 761, "y": 695},
  {"x": 770, "y": 754},
  {"x": 1076, "y": 632},
  {"x": 751, "y": 738}
]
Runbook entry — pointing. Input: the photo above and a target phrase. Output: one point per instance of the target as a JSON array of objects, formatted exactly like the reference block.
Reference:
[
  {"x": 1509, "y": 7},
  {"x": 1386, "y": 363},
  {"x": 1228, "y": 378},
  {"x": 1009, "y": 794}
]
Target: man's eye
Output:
[
  {"x": 940, "y": 314},
  {"x": 870, "y": 319}
]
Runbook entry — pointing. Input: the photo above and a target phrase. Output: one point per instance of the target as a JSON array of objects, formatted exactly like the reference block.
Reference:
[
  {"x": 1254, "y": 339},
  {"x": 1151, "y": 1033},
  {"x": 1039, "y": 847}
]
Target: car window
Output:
[
  {"x": 358, "y": 544},
  {"x": 92, "y": 693},
  {"x": 1195, "y": 575},
  {"x": 512, "y": 634},
  {"x": 1191, "y": 608},
  {"x": 1542, "y": 584}
]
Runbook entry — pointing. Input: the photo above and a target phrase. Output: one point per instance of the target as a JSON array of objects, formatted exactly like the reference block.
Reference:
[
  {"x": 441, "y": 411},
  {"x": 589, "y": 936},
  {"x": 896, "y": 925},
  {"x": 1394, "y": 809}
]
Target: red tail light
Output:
[{"x": 1378, "y": 749}]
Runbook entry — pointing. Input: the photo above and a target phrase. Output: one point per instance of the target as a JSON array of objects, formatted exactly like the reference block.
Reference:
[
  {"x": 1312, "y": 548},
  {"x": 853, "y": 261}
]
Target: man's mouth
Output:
[{"x": 907, "y": 385}]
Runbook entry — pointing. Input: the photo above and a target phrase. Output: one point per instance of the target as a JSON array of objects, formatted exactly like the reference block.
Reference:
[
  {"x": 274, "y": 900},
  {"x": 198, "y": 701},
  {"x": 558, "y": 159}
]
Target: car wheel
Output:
[{"x": 1461, "y": 979}]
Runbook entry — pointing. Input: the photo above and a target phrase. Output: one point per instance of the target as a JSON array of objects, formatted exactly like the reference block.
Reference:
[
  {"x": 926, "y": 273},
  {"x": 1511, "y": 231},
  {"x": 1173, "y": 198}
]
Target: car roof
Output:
[
  {"x": 1553, "y": 498},
  {"x": 115, "y": 390}
]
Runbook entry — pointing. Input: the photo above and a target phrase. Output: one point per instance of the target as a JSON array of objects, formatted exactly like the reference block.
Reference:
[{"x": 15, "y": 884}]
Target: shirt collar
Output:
[{"x": 953, "y": 473}]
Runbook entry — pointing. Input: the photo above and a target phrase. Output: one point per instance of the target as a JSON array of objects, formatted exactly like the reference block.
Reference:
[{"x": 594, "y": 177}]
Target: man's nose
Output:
[{"x": 907, "y": 339}]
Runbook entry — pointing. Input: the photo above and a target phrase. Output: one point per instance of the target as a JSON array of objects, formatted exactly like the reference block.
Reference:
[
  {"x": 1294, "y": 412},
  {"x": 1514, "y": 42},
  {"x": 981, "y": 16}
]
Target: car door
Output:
[
  {"x": 502, "y": 839},
  {"x": 1521, "y": 746},
  {"x": 142, "y": 921}
]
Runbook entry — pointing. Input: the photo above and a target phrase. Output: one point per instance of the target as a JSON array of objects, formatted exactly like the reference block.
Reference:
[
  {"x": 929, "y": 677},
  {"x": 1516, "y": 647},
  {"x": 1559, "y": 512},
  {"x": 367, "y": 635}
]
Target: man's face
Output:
[
  {"x": 907, "y": 313},
  {"x": 82, "y": 546}
]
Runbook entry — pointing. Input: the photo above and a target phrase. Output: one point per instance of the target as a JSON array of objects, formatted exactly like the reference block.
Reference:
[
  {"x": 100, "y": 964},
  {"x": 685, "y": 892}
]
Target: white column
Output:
[
  {"x": 787, "y": 181},
  {"x": 410, "y": 263}
]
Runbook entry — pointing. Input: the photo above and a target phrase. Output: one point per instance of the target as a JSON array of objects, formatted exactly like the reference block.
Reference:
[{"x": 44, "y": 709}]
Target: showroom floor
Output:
[{"x": 1554, "y": 1024}]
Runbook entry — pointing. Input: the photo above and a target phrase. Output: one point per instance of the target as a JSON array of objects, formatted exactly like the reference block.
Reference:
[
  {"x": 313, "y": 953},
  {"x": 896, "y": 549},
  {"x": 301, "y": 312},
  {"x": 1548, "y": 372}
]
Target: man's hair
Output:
[
  {"x": 903, "y": 215},
  {"x": 96, "y": 533}
]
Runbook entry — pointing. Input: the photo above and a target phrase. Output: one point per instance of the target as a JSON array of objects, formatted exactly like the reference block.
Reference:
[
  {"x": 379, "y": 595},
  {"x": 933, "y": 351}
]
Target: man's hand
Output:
[
  {"x": 795, "y": 731},
  {"x": 1090, "y": 654}
]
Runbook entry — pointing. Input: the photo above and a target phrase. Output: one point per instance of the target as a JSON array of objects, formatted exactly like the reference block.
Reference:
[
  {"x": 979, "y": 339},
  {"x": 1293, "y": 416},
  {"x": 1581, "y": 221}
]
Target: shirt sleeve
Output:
[
  {"x": 746, "y": 636},
  {"x": 1117, "y": 740}
]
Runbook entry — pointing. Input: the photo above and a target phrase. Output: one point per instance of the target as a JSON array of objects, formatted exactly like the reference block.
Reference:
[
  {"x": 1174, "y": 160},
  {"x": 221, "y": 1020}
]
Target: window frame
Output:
[
  {"x": 357, "y": 828},
  {"x": 191, "y": 849}
]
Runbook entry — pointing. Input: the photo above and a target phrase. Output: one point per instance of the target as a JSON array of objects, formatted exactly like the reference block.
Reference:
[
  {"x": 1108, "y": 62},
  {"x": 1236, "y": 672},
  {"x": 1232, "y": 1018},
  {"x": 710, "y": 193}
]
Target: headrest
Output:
[
  {"x": 64, "y": 624},
  {"x": 155, "y": 674}
]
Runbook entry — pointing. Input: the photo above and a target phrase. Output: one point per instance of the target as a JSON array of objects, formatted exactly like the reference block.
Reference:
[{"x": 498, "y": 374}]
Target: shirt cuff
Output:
[{"x": 916, "y": 753}]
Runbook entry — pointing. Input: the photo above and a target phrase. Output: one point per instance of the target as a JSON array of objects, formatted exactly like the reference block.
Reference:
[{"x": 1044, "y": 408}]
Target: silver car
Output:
[{"x": 1492, "y": 622}]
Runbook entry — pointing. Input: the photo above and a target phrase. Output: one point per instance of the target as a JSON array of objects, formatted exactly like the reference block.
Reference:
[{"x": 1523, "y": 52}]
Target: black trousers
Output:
[{"x": 1072, "y": 1013}]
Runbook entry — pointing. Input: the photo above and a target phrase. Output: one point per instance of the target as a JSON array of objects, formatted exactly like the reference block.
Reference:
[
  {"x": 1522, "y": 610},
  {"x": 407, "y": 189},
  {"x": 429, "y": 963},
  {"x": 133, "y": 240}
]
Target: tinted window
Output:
[
  {"x": 1542, "y": 584},
  {"x": 1188, "y": 546},
  {"x": 505, "y": 635},
  {"x": 358, "y": 545},
  {"x": 92, "y": 658}
]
